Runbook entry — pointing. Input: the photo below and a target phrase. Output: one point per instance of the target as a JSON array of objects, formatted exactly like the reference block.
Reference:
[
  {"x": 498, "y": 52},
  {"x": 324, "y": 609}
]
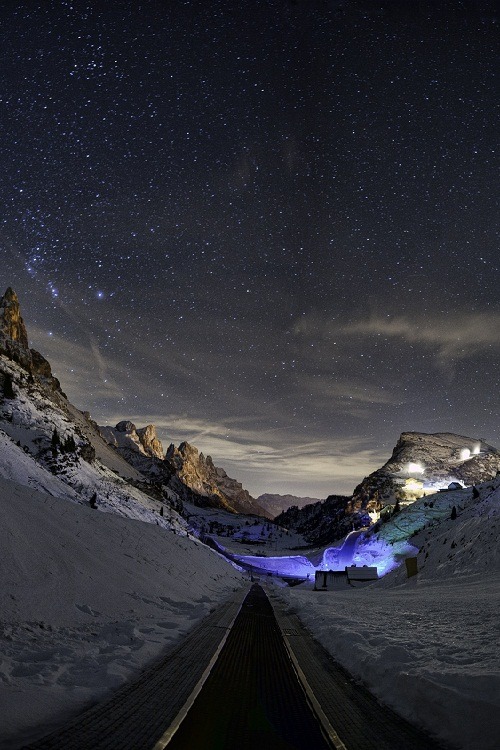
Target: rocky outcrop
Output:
[
  {"x": 276, "y": 504},
  {"x": 14, "y": 342},
  {"x": 126, "y": 435},
  {"x": 424, "y": 463},
  {"x": 210, "y": 482},
  {"x": 11, "y": 323},
  {"x": 150, "y": 441}
]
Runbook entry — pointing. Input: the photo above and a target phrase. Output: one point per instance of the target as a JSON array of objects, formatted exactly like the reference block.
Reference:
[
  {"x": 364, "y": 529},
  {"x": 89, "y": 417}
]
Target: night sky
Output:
[{"x": 269, "y": 227}]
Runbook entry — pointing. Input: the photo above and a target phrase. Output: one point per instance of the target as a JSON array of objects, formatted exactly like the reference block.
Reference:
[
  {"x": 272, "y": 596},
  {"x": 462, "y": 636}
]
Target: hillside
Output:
[
  {"x": 323, "y": 522},
  {"x": 427, "y": 645},
  {"x": 423, "y": 463},
  {"x": 87, "y": 600}
]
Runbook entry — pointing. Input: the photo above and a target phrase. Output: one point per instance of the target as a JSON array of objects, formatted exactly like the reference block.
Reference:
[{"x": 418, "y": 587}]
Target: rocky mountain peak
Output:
[
  {"x": 150, "y": 441},
  {"x": 209, "y": 481},
  {"x": 126, "y": 435},
  {"x": 14, "y": 341},
  {"x": 11, "y": 323},
  {"x": 423, "y": 463}
]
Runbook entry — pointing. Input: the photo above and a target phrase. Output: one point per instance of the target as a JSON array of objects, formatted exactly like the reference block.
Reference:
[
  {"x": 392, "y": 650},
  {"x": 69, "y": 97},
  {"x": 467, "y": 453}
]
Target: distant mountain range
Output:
[
  {"x": 126, "y": 469},
  {"x": 276, "y": 504}
]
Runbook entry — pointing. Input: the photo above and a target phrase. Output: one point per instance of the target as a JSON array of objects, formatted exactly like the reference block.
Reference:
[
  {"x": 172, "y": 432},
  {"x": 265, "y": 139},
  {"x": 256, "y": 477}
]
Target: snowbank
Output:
[
  {"x": 428, "y": 646},
  {"x": 86, "y": 600}
]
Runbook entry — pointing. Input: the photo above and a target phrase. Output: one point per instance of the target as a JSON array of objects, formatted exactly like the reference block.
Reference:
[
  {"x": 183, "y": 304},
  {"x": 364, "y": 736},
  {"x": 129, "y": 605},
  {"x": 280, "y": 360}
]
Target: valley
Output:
[{"x": 114, "y": 550}]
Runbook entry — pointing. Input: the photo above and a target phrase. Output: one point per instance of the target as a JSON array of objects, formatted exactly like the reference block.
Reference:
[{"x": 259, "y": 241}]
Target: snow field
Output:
[
  {"x": 427, "y": 646},
  {"x": 86, "y": 600}
]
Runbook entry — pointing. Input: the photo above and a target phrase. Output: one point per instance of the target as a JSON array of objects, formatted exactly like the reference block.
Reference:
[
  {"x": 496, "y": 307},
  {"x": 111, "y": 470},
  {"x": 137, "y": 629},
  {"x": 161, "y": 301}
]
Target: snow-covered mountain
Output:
[
  {"x": 48, "y": 444},
  {"x": 88, "y": 598},
  {"x": 114, "y": 468},
  {"x": 325, "y": 521},
  {"x": 424, "y": 463}
]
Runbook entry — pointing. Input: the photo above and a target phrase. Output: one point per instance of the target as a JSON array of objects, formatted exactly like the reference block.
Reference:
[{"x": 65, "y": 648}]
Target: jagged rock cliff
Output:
[
  {"x": 126, "y": 435},
  {"x": 185, "y": 470},
  {"x": 14, "y": 341},
  {"x": 11, "y": 323},
  {"x": 424, "y": 463},
  {"x": 211, "y": 482}
]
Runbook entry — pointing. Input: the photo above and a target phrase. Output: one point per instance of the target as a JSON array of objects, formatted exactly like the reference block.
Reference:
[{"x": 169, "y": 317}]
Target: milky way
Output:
[{"x": 270, "y": 228}]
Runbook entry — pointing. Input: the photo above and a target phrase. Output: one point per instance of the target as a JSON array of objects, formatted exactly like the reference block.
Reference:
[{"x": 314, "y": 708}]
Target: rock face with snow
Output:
[
  {"x": 186, "y": 471},
  {"x": 324, "y": 521},
  {"x": 276, "y": 504},
  {"x": 422, "y": 463},
  {"x": 211, "y": 482},
  {"x": 14, "y": 341},
  {"x": 44, "y": 437},
  {"x": 143, "y": 440}
]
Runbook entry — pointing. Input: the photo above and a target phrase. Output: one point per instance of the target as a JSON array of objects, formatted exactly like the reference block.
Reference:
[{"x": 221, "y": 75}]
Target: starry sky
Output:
[{"x": 270, "y": 227}]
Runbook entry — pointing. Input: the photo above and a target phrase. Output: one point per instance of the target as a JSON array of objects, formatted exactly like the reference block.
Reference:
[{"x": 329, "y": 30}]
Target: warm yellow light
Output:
[{"x": 413, "y": 485}]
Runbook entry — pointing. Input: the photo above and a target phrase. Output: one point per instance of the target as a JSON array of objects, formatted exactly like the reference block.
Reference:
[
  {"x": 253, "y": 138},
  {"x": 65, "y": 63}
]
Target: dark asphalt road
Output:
[{"x": 252, "y": 699}]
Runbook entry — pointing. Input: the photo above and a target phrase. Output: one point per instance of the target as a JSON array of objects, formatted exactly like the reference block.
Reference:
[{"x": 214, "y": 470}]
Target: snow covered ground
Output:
[
  {"x": 86, "y": 600},
  {"x": 87, "y": 597},
  {"x": 429, "y": 646}
]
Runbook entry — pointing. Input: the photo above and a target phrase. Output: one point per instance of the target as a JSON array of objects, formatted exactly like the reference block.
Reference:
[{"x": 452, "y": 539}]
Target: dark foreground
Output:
[
  {"x": 252, "y": 699},
  {"x": 248, "y": 695}
]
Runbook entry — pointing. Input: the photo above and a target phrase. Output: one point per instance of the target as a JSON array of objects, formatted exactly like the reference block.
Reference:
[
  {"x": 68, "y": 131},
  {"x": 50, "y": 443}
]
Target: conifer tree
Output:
[
  {"x": 55, "y": 442},
  {"x": 8, "y": 390}
]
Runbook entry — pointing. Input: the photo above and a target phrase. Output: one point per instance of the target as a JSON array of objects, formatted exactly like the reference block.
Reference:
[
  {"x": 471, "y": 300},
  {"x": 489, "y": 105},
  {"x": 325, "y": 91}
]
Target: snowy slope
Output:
[
  {"x": 86, "y": 599},
  {"x": 427, "y": 645},
  {"x": 30, "y": 420}
]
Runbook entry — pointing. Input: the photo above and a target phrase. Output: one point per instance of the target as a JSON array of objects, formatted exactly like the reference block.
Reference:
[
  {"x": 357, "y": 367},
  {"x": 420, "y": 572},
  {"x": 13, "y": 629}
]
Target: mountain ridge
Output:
[
  {"x": 133, "y": 453},
  {"x": 422, "y": 463}
]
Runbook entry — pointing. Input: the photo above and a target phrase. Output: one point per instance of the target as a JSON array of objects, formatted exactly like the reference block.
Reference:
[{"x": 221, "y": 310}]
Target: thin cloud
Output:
[
  {"x": 347, "y": 393},
  {"x": 458, "y": 336},
  {"x": 263, "y": 460},
  {"x": 455, "y": 336}
]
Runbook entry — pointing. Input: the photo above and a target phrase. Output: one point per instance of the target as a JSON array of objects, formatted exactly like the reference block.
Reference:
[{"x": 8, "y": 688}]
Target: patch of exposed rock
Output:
[
  {"x": 126, "y": 435},
  {"x": 423, "y": 463},
  {"x": 210, "y": 482},
  {"x": 14, "y": 342}
]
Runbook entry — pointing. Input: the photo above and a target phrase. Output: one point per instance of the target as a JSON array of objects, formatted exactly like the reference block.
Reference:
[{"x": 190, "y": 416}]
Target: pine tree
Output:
[
  {"x": 453, "y": 513},
  {"x": 8, "y": 391},
  {"x": 55, "y": 442},
  {"x": 69, "y": 445}
]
